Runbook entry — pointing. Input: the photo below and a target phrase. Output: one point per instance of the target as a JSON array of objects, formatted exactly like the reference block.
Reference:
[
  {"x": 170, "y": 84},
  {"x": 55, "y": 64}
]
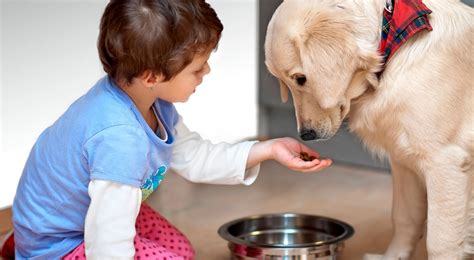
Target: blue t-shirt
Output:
[{"x": 102, "y": 136}]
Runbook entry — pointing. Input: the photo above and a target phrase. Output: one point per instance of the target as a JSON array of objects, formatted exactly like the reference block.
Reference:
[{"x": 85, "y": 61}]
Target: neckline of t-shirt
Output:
[
  {"x": 150, "y": 132},
  {"x": 161, "y": 129}
]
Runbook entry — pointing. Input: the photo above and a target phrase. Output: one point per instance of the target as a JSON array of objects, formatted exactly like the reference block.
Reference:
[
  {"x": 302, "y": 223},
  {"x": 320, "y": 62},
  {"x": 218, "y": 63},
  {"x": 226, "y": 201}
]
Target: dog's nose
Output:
[{"x": 308, "y": 135}]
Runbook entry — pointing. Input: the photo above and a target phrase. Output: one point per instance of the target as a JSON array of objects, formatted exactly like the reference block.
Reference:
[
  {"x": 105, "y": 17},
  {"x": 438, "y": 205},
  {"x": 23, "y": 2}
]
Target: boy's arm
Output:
[
  {"x": 199, "y": 160},
  {"x": 110, "y": 220}
]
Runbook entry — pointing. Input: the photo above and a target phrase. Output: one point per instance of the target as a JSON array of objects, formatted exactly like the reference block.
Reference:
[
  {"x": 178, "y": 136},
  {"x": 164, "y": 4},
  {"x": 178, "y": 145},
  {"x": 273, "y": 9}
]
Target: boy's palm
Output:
[{"x": 287, "y": 151}]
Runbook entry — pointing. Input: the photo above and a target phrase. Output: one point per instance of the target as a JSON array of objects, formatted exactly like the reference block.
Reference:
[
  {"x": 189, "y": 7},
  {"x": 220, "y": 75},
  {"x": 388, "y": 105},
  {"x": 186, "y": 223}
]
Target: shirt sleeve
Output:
[
  {"x": 199, "y": 160},
  {"x": 110, "y": 220},
  {"x": 119, "y": 154}
]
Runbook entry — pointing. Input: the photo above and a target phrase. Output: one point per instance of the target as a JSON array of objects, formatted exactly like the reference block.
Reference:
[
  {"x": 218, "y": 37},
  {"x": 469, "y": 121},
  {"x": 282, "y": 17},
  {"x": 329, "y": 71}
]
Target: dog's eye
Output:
[{"x": 300, "y": 79}]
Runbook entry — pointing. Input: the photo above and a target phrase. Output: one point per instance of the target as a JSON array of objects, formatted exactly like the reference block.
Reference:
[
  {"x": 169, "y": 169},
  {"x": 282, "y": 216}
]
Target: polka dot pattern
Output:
[{"x": 156, "y": 238}]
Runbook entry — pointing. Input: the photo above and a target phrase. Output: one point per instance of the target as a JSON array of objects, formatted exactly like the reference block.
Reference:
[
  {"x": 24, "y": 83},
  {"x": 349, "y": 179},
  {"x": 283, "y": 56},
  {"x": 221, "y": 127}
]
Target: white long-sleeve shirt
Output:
[{"x": 110, "y": 220}]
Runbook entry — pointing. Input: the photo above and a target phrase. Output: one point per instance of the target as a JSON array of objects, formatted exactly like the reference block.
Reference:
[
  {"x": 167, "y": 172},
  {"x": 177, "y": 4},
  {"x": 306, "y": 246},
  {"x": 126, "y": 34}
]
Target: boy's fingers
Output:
[
  {"x": 307, "y": 164},
  {"x": 323, "y": 164},
  {"x": 302, "y": 165}
]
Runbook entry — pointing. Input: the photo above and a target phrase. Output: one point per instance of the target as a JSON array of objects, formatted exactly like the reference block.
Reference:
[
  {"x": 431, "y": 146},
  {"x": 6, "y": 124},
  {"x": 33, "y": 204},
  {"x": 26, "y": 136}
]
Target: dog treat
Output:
[{"x": 306, "y": 157}]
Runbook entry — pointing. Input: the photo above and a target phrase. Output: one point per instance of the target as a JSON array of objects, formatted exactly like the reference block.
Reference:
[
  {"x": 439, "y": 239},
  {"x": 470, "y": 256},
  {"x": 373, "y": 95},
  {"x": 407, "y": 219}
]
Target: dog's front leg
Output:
[
  {"x": 448, "y": 188},
  {"x": 408, "y": 212}
]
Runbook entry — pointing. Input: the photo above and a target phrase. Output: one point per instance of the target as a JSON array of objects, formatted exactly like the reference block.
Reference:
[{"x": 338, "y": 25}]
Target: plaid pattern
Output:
[{"x": 401, "y": 20}]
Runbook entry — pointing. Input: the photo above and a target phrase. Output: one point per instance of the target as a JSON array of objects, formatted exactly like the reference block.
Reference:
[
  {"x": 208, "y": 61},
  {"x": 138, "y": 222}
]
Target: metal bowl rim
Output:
[{"x": 224, "y": 233}]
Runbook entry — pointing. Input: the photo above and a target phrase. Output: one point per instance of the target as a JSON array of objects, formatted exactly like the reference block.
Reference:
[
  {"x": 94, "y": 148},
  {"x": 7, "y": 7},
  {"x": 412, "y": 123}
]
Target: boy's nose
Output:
[{"x": 207, "y": 70}]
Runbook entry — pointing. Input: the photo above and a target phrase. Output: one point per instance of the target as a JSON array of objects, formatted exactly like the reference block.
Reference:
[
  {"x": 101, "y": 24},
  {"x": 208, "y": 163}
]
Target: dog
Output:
[{"x": 417, "y": 109}]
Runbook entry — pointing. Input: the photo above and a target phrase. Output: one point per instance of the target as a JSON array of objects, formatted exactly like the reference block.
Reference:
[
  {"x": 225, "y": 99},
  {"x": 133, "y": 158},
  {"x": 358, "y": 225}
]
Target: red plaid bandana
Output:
[{"x": 401, "y": 20}]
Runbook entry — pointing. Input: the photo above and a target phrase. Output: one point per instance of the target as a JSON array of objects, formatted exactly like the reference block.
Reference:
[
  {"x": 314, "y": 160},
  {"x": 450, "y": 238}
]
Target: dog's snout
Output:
[{"x": 308, "y": 135}]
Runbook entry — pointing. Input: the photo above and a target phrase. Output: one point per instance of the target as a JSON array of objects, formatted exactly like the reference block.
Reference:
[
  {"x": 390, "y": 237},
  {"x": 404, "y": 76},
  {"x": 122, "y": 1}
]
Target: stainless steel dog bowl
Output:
[{"x": 285, "y": 236}]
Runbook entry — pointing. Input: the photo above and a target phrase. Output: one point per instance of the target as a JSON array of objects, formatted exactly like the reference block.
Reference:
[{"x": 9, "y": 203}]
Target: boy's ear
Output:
[{"x": 150, "y": 79}]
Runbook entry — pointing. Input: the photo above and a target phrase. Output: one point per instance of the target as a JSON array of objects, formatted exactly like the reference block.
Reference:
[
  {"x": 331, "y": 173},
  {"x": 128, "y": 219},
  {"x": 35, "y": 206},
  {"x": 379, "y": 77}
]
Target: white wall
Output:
[
  {"x": 2, "y": 150},
  {"x": 49, "y": 58}
]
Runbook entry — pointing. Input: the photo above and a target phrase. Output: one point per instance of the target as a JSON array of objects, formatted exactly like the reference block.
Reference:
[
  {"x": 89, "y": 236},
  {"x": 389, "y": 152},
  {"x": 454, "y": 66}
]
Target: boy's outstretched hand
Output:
[{"x": 288, "y": 152}]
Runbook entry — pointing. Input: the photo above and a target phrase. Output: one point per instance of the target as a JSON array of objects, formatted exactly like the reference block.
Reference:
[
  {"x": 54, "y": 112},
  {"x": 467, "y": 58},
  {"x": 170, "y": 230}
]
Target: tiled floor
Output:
[{"x": 360, "y": 197}]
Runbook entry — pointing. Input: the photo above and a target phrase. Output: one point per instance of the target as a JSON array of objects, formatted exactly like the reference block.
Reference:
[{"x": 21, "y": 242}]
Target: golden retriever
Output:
[{"x": 419, "y": 113}]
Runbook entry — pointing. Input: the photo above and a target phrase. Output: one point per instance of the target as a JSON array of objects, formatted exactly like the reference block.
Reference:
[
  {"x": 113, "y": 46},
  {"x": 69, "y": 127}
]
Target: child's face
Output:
[{"x": 183, "y": 85}]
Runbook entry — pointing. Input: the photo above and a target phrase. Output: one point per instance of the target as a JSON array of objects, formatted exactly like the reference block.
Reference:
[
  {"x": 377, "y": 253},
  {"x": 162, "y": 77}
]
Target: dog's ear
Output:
[
  {"x": 283, "y": 92},
  {"x": 372, "y": 64}
]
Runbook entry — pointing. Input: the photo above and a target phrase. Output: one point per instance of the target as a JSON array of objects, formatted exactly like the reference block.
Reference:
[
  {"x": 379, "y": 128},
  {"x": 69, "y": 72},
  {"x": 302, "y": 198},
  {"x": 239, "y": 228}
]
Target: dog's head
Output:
[{"x": 311, "y": 48}]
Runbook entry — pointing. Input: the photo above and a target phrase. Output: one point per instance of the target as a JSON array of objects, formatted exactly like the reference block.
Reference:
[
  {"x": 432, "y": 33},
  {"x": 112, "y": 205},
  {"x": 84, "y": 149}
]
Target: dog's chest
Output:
[{"x": 381, "y": 127}]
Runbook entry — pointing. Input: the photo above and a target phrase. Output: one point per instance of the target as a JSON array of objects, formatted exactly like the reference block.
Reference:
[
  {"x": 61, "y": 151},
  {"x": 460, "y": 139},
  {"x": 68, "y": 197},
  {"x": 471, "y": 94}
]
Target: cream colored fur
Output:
[{"x": 419, "y": 114}]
